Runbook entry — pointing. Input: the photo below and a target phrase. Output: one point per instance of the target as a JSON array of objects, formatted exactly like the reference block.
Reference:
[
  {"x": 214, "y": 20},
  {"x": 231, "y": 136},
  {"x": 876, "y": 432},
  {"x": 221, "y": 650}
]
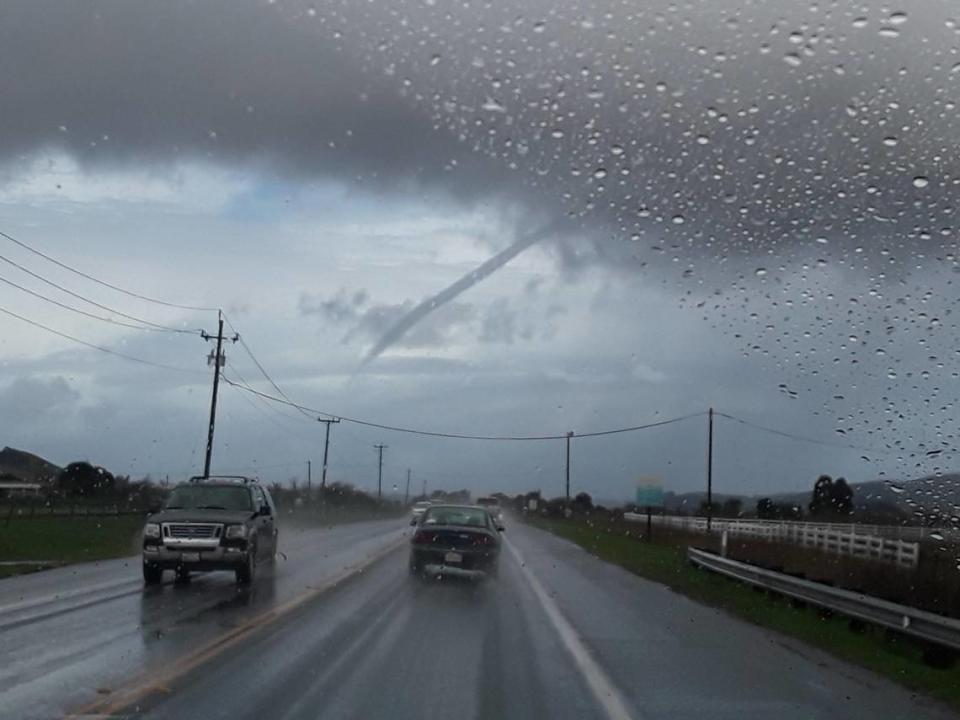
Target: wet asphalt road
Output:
[{"x": 558, "y": 635}]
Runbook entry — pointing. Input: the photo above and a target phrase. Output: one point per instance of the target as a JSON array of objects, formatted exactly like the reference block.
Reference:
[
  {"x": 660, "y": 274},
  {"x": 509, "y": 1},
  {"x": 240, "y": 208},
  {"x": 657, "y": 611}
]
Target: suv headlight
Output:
[
  {"x": 151, "y": 530},
  {"x": 236, "y": 531}
]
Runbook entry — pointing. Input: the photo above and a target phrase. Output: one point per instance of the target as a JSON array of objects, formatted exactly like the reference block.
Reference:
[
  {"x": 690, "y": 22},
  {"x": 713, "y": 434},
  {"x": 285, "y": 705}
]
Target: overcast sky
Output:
[{"x": 499, "y": 219}]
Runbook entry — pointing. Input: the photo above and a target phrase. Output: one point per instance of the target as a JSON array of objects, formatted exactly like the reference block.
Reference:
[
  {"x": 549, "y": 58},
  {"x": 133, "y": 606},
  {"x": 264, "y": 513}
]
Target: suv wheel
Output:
[
  {"x": 152, "y": 574},
  {"x": 246, "y": 571}
]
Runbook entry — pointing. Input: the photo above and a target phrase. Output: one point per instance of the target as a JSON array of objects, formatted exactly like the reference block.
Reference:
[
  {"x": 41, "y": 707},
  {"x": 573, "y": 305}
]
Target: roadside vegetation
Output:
[
  {"x": 35, "y": 543},
  {"x": 928, "y": 670}
]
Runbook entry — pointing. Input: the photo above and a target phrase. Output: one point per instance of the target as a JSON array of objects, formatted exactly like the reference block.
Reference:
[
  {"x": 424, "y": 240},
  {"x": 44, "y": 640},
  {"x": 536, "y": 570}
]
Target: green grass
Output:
[
  {"x": 890, "y": 655},
  {"x": 66, "y": 539}
]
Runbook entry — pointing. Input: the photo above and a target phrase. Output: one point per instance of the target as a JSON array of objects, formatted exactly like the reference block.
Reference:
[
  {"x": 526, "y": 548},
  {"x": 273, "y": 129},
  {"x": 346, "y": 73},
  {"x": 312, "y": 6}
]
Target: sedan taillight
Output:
[{"x": 423, "y": 538}]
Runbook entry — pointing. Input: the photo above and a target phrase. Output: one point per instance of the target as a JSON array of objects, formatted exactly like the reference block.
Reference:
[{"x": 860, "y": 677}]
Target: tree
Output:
[
  {"x": 81, "y": 479},
  {"x": 582, "y": 502},
  {"x": 731, "y": 507},
  {"x": 822, "y": 500},
  {"x": 766, "y": 510},
  {"x": 841, "y": 497}
]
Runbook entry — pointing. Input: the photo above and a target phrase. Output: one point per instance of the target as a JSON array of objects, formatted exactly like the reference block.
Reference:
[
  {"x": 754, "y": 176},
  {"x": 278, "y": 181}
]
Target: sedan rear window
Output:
[{"x": 470, "y": 517}]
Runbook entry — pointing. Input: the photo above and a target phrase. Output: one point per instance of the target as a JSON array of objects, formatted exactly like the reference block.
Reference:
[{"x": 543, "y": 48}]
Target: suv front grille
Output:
[{"x": 192, "y": 531}]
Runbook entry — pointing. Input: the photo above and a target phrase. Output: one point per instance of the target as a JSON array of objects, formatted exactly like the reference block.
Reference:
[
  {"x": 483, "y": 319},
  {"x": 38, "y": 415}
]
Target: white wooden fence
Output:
[{"x": 838, "y": 538}]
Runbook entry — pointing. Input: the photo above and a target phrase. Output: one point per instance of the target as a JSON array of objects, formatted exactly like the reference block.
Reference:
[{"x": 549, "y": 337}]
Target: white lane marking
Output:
[{"x": 602, "y": 687}]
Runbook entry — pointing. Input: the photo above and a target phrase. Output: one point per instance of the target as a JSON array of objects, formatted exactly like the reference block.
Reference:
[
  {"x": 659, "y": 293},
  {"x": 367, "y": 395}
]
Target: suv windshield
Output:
[{"x": 209, "y": 497}]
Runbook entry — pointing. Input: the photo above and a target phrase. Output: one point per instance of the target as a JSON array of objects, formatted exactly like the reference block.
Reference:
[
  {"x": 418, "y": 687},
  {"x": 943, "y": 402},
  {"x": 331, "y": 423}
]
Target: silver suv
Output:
[{"x": 214, "y": 523}]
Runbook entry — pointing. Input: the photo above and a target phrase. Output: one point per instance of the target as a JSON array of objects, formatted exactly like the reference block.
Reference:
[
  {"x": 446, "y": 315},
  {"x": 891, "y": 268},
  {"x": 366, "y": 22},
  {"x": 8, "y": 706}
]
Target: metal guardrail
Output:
[
  {"x": 911, "y": 621},
  {"x": 840, "y": 539}
]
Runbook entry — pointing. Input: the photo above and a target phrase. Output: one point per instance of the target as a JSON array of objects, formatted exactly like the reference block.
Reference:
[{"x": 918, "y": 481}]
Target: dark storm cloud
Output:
[
  {"x": 237, "y": 82},
  {"x": 699, "y": 127}
]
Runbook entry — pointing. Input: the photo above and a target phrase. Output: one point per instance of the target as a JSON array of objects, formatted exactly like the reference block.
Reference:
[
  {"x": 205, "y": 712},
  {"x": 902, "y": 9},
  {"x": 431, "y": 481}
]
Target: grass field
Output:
[
  {"x": 887, "y": 654},
  {"x": 67, "y": 539}
]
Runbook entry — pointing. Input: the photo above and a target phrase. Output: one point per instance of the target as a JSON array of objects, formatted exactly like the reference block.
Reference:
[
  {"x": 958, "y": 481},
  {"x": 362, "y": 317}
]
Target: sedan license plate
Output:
[
  {"x": 190, "y": 557},
  {"x": 453, "y": 558}
]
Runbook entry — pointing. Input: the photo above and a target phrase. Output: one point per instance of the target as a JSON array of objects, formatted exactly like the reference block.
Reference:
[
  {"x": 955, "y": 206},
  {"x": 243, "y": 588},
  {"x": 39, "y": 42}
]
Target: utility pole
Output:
[
  {"x": 217, "y": 360},
  {"x": 710, "y": 469},
  {"x": 326, "y": 449},
  {"x": 424, "y": 493},
  {"x": 380, "y": 449},
  {"x": 309, "y": 477},
  {"x": 569, "y": 435},
  {"x": 406, "y": 495}
]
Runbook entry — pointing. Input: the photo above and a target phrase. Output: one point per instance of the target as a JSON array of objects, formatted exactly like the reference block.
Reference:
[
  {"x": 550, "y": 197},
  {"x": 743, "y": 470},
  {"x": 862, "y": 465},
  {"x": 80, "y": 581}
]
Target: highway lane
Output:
[
  {"x": 559, "y": 635},
  {"x": 74, "y": 634}
]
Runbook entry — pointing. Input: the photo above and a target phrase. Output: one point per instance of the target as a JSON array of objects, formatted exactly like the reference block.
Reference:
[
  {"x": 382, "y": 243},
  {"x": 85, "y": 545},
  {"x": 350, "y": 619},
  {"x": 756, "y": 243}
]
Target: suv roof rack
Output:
[{"x": 242, "y": 479}]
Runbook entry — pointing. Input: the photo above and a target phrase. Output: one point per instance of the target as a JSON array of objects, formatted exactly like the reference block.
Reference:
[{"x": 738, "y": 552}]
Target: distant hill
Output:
[
  {"x": 934, "y": 496},
  {"x": 26, "y": 467}
]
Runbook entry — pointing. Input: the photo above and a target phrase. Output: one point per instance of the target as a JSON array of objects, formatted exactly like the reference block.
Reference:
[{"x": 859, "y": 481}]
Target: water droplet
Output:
[
  {"x": 760, "y": 272},
  {"x": 890, "y": 141},
  {"x": 936, "y": 535},
  {"x": 616, "y": 150},
  {"x": 556, "y": 133},
  {"x": 860, "y": 22},
  {"x": 435, "y": 60},
  {"x": 678, "y": 219},
  {"x": 792, "y": 59},
  {"x": 890, "y": 32},
  {"x": 920, "y": 181},
  {"x": 897, "y": 18},
  {"x": 955, "y": 68},
  {"x": 703, "y": 139},
  {"x": 492, "y": 105},
  {"x": 600, "y": 173}
]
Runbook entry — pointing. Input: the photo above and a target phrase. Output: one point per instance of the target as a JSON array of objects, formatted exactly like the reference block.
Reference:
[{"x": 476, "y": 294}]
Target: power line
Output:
[
  {"x": 119, "y": 289},
  {"x": 457, "y": 436},
  {"x": 263, "y": 370},
  {"x": 102, "y": 349},
  {"x": 51, "y": 283},
  {"x": 78, "y": 310},
  {"x": 794, "y": 436}
]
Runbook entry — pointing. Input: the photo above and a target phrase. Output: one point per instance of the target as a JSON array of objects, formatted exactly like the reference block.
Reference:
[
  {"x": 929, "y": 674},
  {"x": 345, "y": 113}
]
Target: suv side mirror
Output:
[
  {"x": 265, "y": 509},
  {"x": 413, "y": 521},
  {"x": 501, "y": 528}
]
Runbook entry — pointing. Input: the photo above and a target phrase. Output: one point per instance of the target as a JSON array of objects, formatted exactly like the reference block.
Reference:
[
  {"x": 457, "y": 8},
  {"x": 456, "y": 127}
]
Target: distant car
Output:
[
  {"x": 456, "y": 540},
  {"x": 418, "y": 509},
  {"x": 493, "y": 505},
  {"x": 216, "y": 523}
]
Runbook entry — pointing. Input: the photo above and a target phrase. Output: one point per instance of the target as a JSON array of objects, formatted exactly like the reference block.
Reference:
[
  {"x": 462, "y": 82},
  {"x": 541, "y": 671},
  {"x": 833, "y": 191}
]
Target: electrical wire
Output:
[
  {"x": 51, "y": 283},
  {"x": 794, "y": 436},
  {"x": 262, "y": 370},
  {"x": 459, "y": 436},
  {"x": 102, "y": 349},
  {"x": 104, "y": 283},
  {"x": 112, "y": 321}
]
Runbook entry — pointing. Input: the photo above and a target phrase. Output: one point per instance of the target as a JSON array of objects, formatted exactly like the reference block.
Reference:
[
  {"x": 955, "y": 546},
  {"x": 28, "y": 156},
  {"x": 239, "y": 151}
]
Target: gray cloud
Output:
[{"x": 31, "y": 399}]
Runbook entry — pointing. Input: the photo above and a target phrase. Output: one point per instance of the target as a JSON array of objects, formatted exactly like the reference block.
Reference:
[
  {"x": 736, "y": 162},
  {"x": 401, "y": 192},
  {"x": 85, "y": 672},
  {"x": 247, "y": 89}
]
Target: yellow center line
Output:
[{"x": 152, "y": 682}]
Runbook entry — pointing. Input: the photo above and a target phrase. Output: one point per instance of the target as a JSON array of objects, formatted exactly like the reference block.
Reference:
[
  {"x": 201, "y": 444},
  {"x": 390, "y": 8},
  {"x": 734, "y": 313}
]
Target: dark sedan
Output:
[{"x": 455, "y": 540}]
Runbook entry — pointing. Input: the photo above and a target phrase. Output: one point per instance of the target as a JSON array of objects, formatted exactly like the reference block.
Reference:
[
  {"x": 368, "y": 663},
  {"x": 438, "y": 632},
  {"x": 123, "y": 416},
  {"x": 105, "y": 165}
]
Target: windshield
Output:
[
  {"x": 209, "y": 497},
  {"x": 675, "y": 282}
]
